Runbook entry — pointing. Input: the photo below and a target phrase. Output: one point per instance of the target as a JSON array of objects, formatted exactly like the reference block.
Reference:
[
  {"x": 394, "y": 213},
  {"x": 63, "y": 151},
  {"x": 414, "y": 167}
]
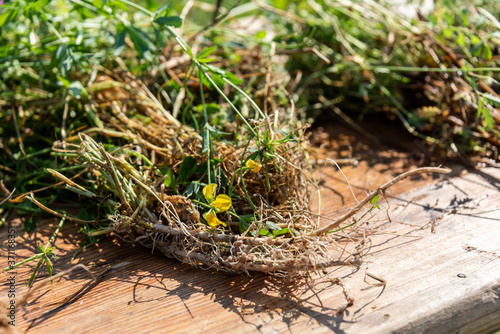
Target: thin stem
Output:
[
  {"x": 400, "y": 109},
  {"x": 241, "y": 169},
  {"x": 55, "y": 213},
  {"x": 34, "y": 257},
  {"x": 243, "y": 181},
  {"x": 355, "y": 222},
  {"x": 228, "y": 101},
  {"x": 206, "y": 129},
  {"x": 55, "y": 233},
  {"x": 252, "y": 102},
  {"x": 381, "y": 189}
]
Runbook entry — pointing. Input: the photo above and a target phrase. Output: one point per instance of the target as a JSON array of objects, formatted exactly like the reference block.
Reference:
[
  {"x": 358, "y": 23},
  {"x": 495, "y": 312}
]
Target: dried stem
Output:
[{"x": 382, "y": 190}]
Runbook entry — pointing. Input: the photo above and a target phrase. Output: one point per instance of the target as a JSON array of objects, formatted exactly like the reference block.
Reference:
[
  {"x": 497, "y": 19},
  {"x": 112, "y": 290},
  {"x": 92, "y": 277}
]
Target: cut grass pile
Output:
[{"x": 173, "y": 150}]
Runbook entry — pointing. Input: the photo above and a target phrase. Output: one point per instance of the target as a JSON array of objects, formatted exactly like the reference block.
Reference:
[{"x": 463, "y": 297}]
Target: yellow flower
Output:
[
  {"x": 222, "y": 203},
  {"x": 212, "y": 219},
  {"x": 253, "y": 164},
  {"x": 208, "y": 192}
]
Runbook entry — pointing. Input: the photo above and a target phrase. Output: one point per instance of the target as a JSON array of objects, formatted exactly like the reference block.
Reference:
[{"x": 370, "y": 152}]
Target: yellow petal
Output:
[
  {"x": 212, "y": 219},
  {"x": 208, "y": 192},
  {"x": 253, "y": 164},
  {"x": 222, "y": 203}
]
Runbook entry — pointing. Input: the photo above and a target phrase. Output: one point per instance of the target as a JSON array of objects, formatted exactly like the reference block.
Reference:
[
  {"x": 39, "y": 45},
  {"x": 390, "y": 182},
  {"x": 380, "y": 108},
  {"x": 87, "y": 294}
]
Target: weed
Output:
[{"x": 172, "y": 150}]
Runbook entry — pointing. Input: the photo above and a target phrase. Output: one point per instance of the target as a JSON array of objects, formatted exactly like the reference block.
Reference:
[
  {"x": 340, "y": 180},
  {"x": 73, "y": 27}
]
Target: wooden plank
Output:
[
  {"x": 146, "y": 292},
  {"x": 448, "y": 280}
]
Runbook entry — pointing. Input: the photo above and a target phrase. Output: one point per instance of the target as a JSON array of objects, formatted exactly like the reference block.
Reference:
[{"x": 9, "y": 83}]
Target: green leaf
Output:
[
  {"x": 465, "y": 20},
  {"x": 243, "y": 225},
  {"x": 99, "y": 3},
  {"x": 487, "y": 54},
  {"x": 214, "y": 130},
  {"x": 461, "y": 39},
  {"x": 206, "y": 60},
  {"x": 482, "y": 110},
  {"x": 447, "y": 33},
  {"x": 273, "y": 226},
  {"x": 35, "y": 7},
  {"x": 211, "y": 108},
  {"x": 187, "y": 168},
  {"x": 231, "y": 77},
  {"x": 52, "y": 253},
  {"x": 64, "y": 81},
  {"x": 261, "y": 34},
  {"x": 32, "y": 277},
  {"x": 8, "y": 16},
  {"x": 477, "y": 49},
  {"x": 169, "y": 181},
  {"x": 223, "y": 73},
  {"x": 432, "y": 17},
  {"x": 264, "y": 232},
  {"x": 374, "y": 200},
  {"x": 218, "y": 80},
  {"x": 475, "y": 40},
  {"x": 203, "y": 79},
  {"x": 449, "y": 18},
  {"x": 25, "y": 208},
  {"x": 165, "y": 9},
  {"x": 115, "y": 4},
  {"x": 172, "y": 21},
  {"x": 77, "y": 89},
  {"x": 49, "y": 266},
  {"x": 151, "y": 5},
  {"x": 215, "y": 70},
  {"x": 248, "y": 218},
  {"x": 192, "y": 189},
  {"x": 491, "y": 99},
  {"x": 120, "y": 40},
  {"x": 280, "y": 232},
  {"x": 206, "y": 52},
  {"x": 213, "y": 162},
  {"x": 142, "y": 42},
  {"x": 62, "y": 59}
]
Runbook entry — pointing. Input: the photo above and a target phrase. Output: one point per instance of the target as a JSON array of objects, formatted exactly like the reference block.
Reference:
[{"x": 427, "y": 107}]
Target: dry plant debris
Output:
[
  {"x": 262, "y": 223},
  {"x": 172, "y": 151}
]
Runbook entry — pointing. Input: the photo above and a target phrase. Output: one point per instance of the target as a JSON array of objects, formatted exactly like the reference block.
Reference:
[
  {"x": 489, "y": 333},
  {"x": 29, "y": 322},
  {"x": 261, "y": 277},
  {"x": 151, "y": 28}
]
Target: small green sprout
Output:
[{"x": 43, "y": 255}]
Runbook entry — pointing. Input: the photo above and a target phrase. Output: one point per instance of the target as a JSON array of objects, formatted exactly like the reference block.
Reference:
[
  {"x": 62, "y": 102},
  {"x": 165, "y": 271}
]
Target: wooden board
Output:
[{"x": 442, "y": 272}]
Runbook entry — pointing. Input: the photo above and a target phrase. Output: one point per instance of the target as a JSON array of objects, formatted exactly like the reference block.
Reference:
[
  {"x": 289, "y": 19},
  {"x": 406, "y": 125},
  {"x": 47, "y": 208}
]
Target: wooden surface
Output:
[{"x": 440, "y": 259}]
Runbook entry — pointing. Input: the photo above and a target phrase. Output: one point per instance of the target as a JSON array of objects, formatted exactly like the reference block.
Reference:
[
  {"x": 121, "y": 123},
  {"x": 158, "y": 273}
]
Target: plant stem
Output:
[{"x": 381, "y": 189}]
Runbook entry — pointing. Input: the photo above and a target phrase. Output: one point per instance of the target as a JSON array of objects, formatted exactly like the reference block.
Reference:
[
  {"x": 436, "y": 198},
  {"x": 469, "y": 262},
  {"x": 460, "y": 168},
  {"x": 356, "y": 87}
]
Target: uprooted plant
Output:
[{"x": 205, "y": 183}]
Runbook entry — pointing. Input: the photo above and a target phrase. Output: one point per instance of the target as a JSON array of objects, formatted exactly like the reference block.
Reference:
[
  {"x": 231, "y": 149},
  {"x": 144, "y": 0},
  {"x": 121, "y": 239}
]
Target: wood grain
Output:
[{"x": 454, "y": 231}]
